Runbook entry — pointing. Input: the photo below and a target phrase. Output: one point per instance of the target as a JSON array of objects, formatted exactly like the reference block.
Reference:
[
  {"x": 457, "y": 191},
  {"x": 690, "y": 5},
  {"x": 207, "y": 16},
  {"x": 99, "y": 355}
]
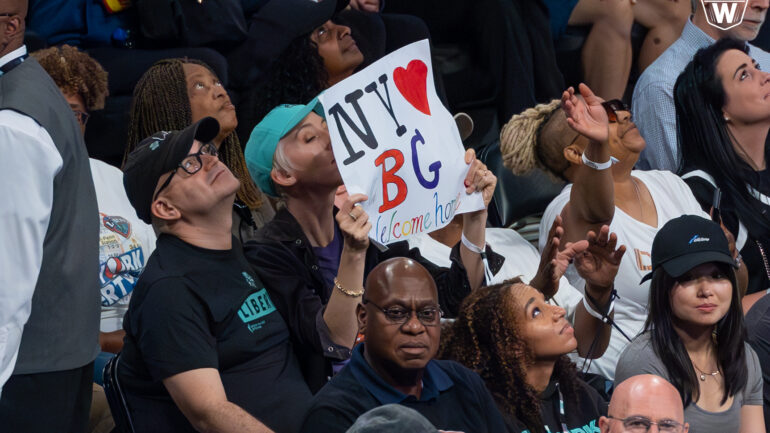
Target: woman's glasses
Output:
[{"x": 612, "y": 107}]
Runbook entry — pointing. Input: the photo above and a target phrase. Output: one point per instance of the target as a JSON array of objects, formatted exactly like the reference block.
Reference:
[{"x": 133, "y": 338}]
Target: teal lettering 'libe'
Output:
[{"x": 257, "y": 305}]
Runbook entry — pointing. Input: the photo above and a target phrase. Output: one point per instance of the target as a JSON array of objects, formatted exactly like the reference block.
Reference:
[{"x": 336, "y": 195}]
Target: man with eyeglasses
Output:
[
  {"x": 644, "y": 403},
  {"x": 49, "y": 289},
  {"x": 205, "y": 348},
  {"x": 400, "y": 318}
]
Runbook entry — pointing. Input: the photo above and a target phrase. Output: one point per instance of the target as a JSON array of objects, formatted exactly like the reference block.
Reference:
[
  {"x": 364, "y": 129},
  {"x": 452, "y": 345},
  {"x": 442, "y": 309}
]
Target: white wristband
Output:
[
  {"x": 488, "y": 275},
  {"x": 595, "y": 313},
  {"x": 470, "y": 245},
  {"x": 596, "y": 165}
]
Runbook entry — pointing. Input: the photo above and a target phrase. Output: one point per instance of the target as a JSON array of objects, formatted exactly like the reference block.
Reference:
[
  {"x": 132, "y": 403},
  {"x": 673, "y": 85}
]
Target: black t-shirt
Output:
[
  {"x": 453, "y": 398},
  {"x": 578, "y": 416},
  {"x": 196, "y": 308}
]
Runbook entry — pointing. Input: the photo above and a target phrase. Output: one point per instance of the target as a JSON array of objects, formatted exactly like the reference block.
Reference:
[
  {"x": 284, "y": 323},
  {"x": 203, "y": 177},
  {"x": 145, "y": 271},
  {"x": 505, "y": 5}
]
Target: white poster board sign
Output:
[{"x": 394, "y": 141}]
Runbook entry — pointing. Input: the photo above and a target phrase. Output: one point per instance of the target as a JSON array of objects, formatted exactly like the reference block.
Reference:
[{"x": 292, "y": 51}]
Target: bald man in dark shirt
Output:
[{"x": 400, "y": 317}]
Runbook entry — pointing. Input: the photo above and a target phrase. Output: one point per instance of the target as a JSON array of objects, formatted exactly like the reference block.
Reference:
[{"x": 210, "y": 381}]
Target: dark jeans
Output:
[{"x": 58, "y": 401}]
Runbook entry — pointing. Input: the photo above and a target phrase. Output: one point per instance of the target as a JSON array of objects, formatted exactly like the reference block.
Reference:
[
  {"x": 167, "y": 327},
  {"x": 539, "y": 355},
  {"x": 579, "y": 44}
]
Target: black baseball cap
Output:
[
  {"x": 157, "y": 155},
  {"x": 686, "y": 242}
]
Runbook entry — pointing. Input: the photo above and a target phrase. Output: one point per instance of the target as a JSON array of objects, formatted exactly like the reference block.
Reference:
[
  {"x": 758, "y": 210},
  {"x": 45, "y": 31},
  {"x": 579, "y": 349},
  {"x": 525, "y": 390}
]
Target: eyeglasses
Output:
[
  {"x": 191, "y": 164},
  {"x": 642, "y": 424},
  {"x": 81, "y": 116},
  {"x": 612, "y": 107},
  {"x": 398, "y": 315}
]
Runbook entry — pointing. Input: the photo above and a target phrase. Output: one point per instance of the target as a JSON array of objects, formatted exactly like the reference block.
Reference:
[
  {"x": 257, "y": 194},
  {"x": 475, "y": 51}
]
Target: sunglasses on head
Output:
[{"x": 612, "y": 107}]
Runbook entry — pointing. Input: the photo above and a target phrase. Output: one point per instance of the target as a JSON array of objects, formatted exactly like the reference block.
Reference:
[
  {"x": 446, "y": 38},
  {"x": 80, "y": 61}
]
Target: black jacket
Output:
[{"x": 284, "y": 260}]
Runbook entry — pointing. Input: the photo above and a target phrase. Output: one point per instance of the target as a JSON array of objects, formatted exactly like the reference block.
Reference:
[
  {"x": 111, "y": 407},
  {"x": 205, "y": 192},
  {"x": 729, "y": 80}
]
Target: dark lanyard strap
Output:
[{"x": 12, "y": 64}]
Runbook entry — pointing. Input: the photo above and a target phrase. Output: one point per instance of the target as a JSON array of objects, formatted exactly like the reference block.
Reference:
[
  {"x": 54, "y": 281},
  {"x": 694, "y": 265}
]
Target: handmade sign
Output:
[{"x": 394, "y": 141}]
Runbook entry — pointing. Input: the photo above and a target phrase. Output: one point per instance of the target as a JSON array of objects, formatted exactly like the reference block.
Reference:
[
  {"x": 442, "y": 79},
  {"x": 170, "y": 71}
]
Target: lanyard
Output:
[
  {"x": 560, "y": 414},
  {"x": 12, "y": 64}
]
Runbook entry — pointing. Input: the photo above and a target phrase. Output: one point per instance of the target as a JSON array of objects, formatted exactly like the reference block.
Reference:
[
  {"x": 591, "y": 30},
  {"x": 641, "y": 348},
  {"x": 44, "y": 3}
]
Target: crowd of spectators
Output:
[{"x": 190, "y": 260}]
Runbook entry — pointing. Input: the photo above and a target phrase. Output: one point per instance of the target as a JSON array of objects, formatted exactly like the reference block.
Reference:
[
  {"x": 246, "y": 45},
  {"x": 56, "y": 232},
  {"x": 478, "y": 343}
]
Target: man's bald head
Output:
[
  {"x": 396, "y": 347},
  {"x": 643, "y": 395},
  {"x": 398, "y": 273},
  {"x": 12, "y": 15}
]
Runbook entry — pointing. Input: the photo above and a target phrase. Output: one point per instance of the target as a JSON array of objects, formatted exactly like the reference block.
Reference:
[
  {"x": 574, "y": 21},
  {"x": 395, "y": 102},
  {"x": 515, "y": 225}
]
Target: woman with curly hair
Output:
[
  {"x": 173, "y": 94},
  {"x": 594, "y": 144},
  {"x": 517, "y": 343},
  {"x": 311, "y": 63}
]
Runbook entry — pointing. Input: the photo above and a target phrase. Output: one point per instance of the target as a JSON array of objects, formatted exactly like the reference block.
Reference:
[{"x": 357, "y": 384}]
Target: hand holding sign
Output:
[
  {"x": 354, "y": 223},
  {"x": 395, "y": 142}
]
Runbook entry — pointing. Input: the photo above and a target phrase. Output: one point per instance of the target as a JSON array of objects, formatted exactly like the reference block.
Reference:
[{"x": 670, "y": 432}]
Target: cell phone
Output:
[{"x": 716, "y": 215}]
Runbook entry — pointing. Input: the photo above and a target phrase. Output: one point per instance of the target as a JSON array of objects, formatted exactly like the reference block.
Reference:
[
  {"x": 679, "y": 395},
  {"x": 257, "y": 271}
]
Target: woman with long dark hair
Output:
[
  {"x": 694, "y": 335},
  {"x": 723, "y": 118},
  {"x": 518, "y": 343}
]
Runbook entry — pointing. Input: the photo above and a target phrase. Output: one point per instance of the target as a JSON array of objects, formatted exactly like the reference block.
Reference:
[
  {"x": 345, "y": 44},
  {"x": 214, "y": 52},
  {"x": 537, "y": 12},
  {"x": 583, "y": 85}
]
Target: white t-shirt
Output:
[
  {"x": 521, "y": 260},
  {"x": 672, "y": 198},
  {"x": 125, "y": 244}
]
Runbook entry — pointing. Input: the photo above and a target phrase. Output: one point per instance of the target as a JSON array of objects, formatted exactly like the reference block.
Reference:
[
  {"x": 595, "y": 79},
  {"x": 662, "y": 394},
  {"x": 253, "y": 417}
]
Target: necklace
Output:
[
  {"x": 638, "y": 199},
  {"x": 703, "y": 374}
]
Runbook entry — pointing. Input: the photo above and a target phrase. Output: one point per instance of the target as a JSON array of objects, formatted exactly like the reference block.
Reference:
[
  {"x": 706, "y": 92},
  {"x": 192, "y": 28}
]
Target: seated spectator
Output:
[
  {"x": 125, "y": 242},
  {"x": 317, "y": 54},
  {"x": 653, "y": 98},
  {"x": 758, "y": 330},
  {"x": 633, "y": 203},
  {"x": 175, "y": 93},
  {"x": 694, "y": 336},
  {"x": 202, "y": 334},
  {"x": 517, "y": 342},
  {"x": 643, "y": 401},
  {"x": 722, "y": 135},
  {"x": 606, "y": 53},
  {"x": 314, "y": 258},
  {"x": 394, "y": 364}
]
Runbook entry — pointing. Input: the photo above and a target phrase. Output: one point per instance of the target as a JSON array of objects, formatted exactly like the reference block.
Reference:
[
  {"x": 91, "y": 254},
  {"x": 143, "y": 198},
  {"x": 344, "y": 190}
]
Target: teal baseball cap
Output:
[{"x": 264, "y": 139}]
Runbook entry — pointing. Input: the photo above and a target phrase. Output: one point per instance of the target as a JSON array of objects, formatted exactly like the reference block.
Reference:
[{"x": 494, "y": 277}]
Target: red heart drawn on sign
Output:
[{"x": 411, "y": 82}]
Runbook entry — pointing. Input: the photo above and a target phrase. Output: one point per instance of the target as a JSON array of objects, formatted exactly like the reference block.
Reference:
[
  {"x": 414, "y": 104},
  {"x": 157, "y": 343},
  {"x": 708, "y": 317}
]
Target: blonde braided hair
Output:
[{"x": 519, "y": 139}]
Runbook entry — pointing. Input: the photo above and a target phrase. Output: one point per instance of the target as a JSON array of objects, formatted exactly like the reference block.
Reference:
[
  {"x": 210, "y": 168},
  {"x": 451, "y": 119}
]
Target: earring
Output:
[{"x": 727, "y": 119}]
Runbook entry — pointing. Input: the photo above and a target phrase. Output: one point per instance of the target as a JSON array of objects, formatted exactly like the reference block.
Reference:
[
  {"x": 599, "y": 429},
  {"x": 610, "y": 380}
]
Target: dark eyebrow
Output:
[
  {"x": 739, "y": 68},
  {"x": 526, "y": 306}
]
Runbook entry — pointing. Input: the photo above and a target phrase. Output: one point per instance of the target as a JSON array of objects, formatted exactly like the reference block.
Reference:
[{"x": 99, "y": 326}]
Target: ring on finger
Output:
[{"x": 352, "y": 216}]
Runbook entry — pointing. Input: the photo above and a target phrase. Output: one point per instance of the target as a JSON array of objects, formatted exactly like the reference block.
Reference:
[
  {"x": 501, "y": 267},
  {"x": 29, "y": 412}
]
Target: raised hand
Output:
[
  {"x": 479, "y": 178},
  {"x": 354, "y": 223},
  {"x": 553, "y": 263},
  {"x": 586, "y": 116},
  {"x": 599, "y": 263}
]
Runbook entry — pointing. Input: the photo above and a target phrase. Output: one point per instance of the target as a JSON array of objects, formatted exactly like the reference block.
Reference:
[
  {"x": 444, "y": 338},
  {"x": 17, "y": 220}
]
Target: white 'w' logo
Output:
[{"x": 726, "y": 10}]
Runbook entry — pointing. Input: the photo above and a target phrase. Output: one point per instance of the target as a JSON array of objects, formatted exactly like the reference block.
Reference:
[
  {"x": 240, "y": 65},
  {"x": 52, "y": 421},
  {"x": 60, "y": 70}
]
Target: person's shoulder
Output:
[
  {"x": 758, "y": 54},
  {"x": 639, "y": 357},
  {"x": 459, "y": 373}
]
